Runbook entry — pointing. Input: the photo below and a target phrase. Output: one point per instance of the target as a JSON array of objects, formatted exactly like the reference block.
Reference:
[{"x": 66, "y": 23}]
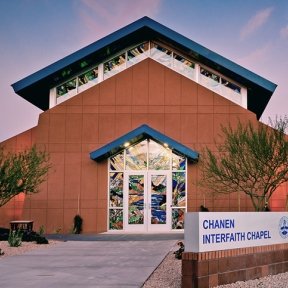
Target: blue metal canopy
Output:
[
  {"x": 35, "y": 88},
  {"x": 135, "y": 136}
]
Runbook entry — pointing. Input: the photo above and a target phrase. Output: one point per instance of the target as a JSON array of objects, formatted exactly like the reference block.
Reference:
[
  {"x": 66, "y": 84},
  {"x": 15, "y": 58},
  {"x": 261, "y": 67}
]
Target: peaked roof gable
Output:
[
  {"x": 35, "y": 88},
  {"x": 135, "y": 136}
]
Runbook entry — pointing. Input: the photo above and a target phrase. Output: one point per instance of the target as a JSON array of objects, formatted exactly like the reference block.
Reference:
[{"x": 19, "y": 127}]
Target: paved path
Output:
[{"x": 104, "y": 261}]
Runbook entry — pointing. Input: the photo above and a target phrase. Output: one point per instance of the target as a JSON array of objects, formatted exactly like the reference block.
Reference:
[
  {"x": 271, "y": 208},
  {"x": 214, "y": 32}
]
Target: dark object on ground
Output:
[
  {"x": 34, "y": 236},
  {"x": 266, "y": 208},
  {"x": 41, "y": 240},
  {"x": 1, "y": 252},
  {"x": 4, "y": 234},
  {"x": 77, "y": 224},
  {"x": 178, "y": 253}
]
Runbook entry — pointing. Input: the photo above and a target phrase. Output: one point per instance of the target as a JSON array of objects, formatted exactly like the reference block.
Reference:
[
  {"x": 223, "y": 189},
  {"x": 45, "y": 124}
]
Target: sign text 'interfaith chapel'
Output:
[{"x": 212, "y": 231}]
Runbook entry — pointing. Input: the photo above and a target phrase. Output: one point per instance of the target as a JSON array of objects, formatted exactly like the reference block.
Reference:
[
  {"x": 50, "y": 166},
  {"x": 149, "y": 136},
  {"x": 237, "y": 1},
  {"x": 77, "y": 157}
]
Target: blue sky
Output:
[{"x": 36, "y": 33}]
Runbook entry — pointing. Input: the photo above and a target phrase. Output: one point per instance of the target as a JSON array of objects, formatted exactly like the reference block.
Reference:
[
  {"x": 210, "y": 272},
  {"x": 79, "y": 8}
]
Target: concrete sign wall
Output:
[{"x": 212, "y": 231}]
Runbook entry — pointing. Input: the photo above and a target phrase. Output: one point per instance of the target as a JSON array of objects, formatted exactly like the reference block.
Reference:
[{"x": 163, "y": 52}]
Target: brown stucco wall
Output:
[{"x": 147, "y": 93}]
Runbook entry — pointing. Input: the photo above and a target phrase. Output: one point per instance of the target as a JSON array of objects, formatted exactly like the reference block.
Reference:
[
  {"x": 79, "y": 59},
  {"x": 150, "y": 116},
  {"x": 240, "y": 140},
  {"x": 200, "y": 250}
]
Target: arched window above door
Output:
[{"x": 147, "y": 155}]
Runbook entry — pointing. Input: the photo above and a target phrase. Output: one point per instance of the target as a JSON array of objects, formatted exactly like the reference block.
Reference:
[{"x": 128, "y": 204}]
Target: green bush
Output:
[{"x": 15, "y": 238}]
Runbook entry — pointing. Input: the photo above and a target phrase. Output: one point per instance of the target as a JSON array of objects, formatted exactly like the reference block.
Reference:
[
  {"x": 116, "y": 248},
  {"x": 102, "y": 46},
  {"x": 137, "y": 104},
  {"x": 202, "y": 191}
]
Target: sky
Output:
[{"x": 36, "y": 33}]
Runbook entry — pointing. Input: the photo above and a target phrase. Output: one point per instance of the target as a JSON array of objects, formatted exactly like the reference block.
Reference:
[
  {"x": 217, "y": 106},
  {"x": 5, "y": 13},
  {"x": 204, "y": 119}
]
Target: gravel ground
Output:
[
  {"x": 25, "y": 247},
  {"x": 168, "y": 275},
  {"x": 272, "y": 281}
]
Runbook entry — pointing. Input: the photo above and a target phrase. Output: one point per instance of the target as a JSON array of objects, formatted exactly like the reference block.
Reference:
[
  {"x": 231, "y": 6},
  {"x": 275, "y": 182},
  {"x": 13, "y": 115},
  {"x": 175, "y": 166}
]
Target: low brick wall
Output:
[{"x": 209, "y": 269}]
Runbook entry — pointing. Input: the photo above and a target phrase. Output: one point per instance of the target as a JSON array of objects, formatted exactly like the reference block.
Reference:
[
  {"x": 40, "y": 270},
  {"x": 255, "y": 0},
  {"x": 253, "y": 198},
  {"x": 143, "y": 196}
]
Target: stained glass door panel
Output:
[
  {"x": 159, "y": 201},
  {"x": 136, "y": 199},
  {"x": 178, "y": 200},
  {"x": 158, "y": 198}
]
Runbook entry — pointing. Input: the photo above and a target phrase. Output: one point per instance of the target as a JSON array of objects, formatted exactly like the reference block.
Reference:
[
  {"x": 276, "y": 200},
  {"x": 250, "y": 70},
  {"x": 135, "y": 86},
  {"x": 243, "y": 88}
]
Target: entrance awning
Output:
[{"x": 141, "y": 133}]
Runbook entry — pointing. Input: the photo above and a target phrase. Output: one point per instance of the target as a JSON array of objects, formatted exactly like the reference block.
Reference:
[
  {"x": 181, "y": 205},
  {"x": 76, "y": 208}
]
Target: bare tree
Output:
[
  {"x": 21, "y": 172},
  {"x": 252, "y": 160}
]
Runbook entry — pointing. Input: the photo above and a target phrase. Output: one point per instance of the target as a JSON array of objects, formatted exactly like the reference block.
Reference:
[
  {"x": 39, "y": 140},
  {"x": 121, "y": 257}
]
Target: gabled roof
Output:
[
  {"x": 35, "y": 87},
  {"x": 137, "y": 135}
]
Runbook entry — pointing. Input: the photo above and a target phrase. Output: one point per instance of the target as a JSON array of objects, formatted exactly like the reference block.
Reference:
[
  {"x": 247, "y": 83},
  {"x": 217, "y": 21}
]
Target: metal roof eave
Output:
[
  {"x": 131, "y": 28},
  {"x": 31, "y": 86},
  {"x": 138, "y": 134},
  {"x": 78, "y": 55}
]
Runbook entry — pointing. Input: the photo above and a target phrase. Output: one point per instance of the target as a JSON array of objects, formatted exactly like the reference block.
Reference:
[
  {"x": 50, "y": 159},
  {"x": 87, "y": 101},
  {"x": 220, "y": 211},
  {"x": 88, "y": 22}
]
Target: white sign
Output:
[{"x": 212, "y": 231}]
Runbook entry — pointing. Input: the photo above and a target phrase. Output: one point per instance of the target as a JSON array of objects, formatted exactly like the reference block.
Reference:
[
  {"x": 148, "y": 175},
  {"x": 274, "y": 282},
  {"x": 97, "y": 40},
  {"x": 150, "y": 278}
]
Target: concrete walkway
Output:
[{"x": 104, "y": 260}]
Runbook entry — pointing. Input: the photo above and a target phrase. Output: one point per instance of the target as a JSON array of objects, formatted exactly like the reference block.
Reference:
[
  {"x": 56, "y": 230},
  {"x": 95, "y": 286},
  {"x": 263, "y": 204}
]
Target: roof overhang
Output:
[
  {"x": 35, "y": 88},
  {"x": 137, "y": 135}
]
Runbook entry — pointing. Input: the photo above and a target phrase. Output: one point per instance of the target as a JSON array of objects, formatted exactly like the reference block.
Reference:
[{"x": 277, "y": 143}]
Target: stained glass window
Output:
[
  {"x": 114, "y": 65},
  {"x": 116, "y": 219},
  {"x": 178, "y": 218},
  {"x": 66, "y": 87},
  {"x": 209, "y": 79},
  {"x": 231, "y": 85},
  {"x": 178, "y": 199},
  {"x": 116, "y": 189},
  {"x": 178, "y": 189},
  {"x": 178, "y": 162},
  {"x": 137, "y": 54},
  {"x": 136, "y": 199},
  {"x": 158, "y": 199},
  {"x": 89, "y": 78},
  {"x": 117, "y": 162},
  {"x": 136, "y": 156},
  {"x": 159, "y": 157},
  {"x": 161, "y": 54},
  {"x": 184, "y": 66}
]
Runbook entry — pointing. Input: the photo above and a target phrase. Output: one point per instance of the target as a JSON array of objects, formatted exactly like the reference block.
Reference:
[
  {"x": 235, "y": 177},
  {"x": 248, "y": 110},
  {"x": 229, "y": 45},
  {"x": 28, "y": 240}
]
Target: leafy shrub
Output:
[
  {"x": 15, "y": 238},
  {"x": 77, "y": 224}
]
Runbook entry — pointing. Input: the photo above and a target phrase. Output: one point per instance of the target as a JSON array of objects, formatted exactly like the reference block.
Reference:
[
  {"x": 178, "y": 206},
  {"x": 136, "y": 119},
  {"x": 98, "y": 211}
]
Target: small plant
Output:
[
  {"x": 77, "y": 224},
  {"x": 15, "y": 238},
  {"x": 58, "y": 230},
  {"x": 178, "y": 253},
  {"x": 41, "y": 230}
]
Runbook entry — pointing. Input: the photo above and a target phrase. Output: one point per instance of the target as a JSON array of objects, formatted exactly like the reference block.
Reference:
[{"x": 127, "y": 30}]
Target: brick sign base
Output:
[{"x": 209, "y": 269}]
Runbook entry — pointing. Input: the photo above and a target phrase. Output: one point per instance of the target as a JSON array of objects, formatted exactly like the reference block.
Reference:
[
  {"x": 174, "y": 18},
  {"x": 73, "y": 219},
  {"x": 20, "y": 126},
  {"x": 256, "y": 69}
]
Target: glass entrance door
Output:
[
  {"x": 147, "y": 189},
  {"x": 145, "y": 197}
]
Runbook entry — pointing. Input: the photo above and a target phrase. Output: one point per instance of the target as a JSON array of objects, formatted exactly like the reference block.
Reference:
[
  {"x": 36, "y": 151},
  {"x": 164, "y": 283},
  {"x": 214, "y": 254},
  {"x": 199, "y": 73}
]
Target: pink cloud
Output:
[
  {"x": 103, "y": 17},
  {"x": 256, "y": 22},
  {"x": 284, "y": 32},
  {"x": 255, "y": 57}
]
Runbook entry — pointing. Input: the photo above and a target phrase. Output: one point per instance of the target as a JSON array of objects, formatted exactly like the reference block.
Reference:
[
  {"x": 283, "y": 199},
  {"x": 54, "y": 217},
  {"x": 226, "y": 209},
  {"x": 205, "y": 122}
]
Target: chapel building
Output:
[{"x": 125, "y": 121}]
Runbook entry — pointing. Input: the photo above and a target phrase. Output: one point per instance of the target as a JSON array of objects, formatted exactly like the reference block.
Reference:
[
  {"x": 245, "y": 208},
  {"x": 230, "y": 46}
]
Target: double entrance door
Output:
[{"x": 147, "y": 201}]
